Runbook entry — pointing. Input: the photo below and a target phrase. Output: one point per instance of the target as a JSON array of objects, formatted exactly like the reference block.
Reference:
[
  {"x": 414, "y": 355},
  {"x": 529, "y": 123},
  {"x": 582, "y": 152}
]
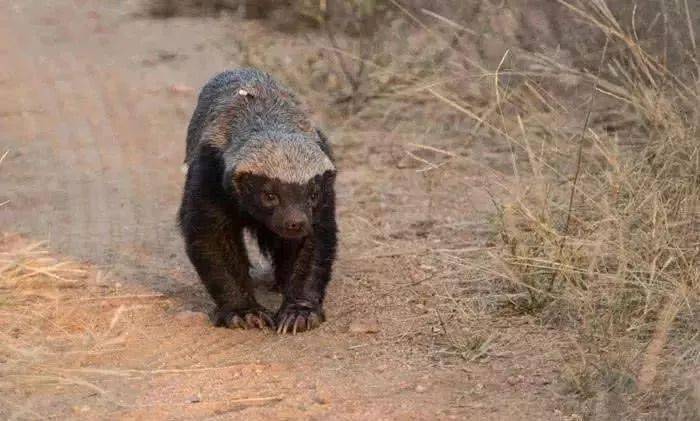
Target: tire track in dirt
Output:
[
  {"x": 104, "y": 154},
  {"x": 72, "y": 116},
  {"x": 58, "y": 145}
]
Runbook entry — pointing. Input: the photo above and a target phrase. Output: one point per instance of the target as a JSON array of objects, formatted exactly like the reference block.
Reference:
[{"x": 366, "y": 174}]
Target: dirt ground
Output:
[{"x": 95, "y": 103}]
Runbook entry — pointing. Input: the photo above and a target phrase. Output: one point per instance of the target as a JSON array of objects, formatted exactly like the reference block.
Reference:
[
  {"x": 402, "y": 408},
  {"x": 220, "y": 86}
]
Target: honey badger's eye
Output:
[
  {"x": 313, "y": 196},
  {"x": 269, "y": 199}
]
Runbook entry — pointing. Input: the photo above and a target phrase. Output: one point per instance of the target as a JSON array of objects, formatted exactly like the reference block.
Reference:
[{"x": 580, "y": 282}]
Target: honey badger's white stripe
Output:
[{"x": 290, "y": 161}]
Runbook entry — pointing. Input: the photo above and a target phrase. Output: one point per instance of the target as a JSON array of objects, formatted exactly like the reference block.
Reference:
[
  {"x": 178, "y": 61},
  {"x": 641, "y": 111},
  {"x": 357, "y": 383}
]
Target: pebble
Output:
[
  {"x": 364, "y": 326},
  {"x": 193, "y": 318},
  {"x": 179, "y": 88},
  {"x": 513, "y": 380},
  {"x": 321, "y": 400}
]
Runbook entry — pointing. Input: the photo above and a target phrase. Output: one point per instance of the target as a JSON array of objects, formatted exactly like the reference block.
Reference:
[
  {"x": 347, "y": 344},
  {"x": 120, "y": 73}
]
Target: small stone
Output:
[
  {"x": 364, "y": 326},
  {"x": 179, "y": 88},
  {"x": 192, "y": 318},
  {"x": 194, "y": 399},
  {"x": 305, "y": 126},
  {"x": 242, "y": 92},
  {"x": 513, "y": 380},
  {"x": 321, "y": 400},
  {"x": 420, "y": 388}
]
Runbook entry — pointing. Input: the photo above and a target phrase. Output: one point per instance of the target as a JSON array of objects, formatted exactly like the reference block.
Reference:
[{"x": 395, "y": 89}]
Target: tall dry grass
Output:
[
  {"x": 601, "y": 226},
  {"x": 598, "y": 229}
]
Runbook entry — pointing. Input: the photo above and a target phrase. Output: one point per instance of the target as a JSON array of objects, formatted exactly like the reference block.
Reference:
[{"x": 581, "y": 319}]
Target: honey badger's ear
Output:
[
  {"x": 227, "y": 179},
  {"x": 239, "y": 181},
  {"x": 232, "y": 181},
  {"x": 328, "y": 177},
  {"x": 324, "y": 143}
]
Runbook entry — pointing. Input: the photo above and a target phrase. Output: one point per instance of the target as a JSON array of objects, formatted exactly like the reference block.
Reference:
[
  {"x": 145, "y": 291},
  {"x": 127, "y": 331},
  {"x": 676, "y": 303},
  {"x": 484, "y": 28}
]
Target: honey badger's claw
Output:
[
  {"x": 244, "y": 319},
  {"x": 283, "y": 325},
  {"x": 299, "y": 323},
  {"x": 267, "y": 320},
  {"x": 254, "y": 321},
  {"x": 297, "y": 320},
  {"x": 234, "y": 321},
  {"x": 313, "y": 321}
]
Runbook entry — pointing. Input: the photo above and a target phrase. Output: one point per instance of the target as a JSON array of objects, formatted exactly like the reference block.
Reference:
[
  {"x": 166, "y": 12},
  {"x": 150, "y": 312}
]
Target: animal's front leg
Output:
[
  {"x": 302, "y": 309},
  {"x": 305, "y": 289},
  {"x": 223, "y": 267},
  {"x": 219, "y": 256}
]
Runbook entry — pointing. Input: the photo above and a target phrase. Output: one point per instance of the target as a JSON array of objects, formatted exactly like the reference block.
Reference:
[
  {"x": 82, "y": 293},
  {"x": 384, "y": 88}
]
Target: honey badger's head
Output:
[{"x": 281, "y": 182}]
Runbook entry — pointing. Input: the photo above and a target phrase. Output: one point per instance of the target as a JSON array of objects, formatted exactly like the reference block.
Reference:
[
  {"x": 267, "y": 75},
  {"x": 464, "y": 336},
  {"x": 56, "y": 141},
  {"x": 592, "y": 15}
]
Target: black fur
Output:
[{"x": 214, "y": 212}]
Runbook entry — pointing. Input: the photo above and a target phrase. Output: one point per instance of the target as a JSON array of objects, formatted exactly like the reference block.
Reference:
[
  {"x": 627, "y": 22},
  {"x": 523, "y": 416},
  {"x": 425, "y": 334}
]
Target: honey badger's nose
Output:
[
  {"x": 295, "y": 225},
  {"x": 296, "y": 222}
]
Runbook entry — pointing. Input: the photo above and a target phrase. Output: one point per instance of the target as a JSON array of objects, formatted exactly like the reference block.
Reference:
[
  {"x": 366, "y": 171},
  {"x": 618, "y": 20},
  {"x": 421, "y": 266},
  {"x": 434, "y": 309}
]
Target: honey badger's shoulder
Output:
[{"x": 239, "y": 105}]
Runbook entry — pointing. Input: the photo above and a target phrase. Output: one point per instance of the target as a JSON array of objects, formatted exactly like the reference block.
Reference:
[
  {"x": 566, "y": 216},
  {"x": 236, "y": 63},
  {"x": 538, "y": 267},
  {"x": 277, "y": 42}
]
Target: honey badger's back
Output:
[{"x": 239, "y": 104}]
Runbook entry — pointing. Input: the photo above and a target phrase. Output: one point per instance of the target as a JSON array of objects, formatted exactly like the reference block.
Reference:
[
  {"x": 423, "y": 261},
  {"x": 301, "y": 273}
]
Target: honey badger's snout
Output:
[{"x": 294, "y": 223}]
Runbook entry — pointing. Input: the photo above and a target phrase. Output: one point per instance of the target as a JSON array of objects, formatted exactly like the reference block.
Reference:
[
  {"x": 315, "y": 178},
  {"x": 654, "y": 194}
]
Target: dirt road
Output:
[{"x": 95, "y": 102}]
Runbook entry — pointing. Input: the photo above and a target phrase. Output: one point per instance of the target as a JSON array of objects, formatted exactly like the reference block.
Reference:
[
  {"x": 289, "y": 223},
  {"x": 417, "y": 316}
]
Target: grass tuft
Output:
[{"x": 604, "y": 233}]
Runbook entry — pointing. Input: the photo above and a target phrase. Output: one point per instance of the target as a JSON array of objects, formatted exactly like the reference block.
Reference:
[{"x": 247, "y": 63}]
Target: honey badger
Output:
[{"x": 255, "y": 162}]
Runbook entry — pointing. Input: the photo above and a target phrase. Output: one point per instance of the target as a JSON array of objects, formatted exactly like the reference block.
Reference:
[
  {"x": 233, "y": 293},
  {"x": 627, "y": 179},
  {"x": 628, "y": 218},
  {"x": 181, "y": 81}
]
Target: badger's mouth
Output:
[
  {"x": 294, "y": 230},
  {"x": 292, "y": 234}
]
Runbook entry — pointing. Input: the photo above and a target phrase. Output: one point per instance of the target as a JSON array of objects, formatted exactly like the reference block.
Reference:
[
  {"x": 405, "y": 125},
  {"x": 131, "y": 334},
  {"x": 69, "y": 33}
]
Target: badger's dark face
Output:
[{"x": 287, "y": 209}]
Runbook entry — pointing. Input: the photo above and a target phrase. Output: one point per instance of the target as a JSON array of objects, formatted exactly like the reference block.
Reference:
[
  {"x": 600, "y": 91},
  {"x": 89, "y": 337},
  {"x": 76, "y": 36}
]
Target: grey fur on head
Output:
[
  {"x": 259, "y": 127},
  {"x": 288, "y": 158}
]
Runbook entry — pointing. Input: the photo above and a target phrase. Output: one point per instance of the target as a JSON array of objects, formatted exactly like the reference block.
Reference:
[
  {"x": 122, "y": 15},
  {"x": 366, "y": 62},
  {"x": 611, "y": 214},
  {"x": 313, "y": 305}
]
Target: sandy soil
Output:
[{"x": 95, "y": 104}]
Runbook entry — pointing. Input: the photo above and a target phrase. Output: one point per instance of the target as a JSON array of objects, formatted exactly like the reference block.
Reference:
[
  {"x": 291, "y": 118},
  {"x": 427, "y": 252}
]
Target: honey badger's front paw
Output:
[
  {"x": 243, "y": 318},
  {"x": 298, "y": 317}
]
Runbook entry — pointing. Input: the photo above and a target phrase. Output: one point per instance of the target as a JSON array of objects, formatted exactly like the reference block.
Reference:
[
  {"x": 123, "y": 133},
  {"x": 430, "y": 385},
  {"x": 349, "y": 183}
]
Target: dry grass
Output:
[
  {"x": 30, "y": 266},
  {"x": 605, "y": 237},
  {"x": 31, "y": 284},
  {"x": 58, "y": 319}
]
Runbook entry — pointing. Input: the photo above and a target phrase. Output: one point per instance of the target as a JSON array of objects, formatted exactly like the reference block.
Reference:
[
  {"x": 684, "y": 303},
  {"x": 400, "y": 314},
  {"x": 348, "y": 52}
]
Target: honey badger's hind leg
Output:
[{"x": 214, "y": 244}]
